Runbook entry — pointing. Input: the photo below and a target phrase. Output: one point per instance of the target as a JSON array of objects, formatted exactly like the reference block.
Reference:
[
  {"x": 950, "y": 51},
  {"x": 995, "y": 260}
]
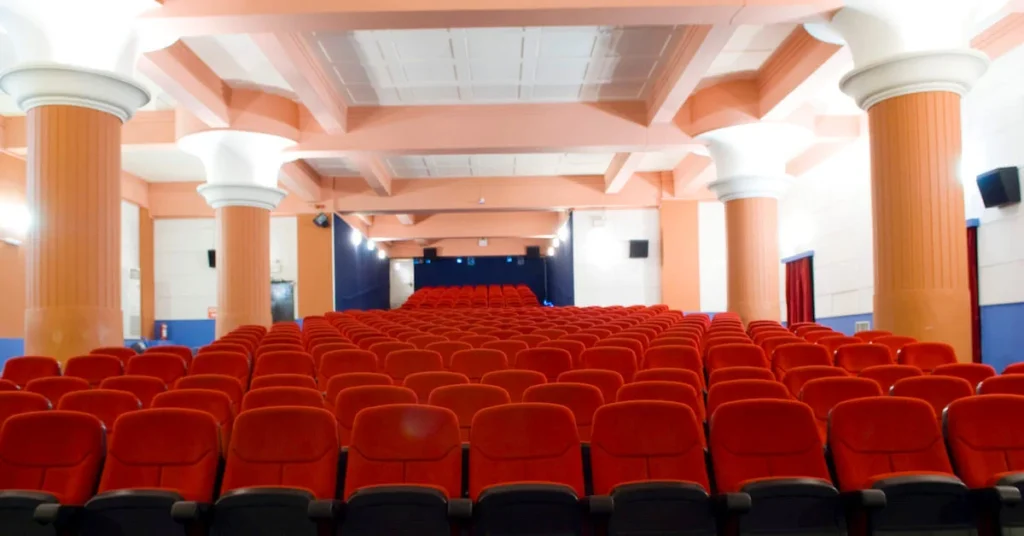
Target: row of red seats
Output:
[
  {"x": 472, "y": 297},
  {"x": 644, "y": 470}
]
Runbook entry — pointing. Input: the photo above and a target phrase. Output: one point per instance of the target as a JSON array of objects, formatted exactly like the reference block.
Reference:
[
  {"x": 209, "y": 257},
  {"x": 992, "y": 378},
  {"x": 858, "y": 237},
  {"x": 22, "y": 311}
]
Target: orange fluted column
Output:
[
  {"x": 243, "y": 267},
  {"x": 680, "y": 255},
  {"x": 73, "y": 291},
  {"x": 751, "y": 227},
  {"x": 921, "y": 285}
]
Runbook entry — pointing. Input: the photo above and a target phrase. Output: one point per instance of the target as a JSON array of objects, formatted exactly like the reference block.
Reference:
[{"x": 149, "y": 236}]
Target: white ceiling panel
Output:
[
  {"x": 333, "y": 167},
  {"x": 749, "y": 48},
  {"x": 162, "y": 164},
  {"x": 494, "y": 65},
  {"x": 237, "y": 60}
]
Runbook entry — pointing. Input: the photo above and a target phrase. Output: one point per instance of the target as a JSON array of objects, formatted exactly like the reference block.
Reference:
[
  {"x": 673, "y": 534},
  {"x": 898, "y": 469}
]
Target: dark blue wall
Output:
[
  {"x": 448, "y": 272},
  {"x": 361, "y": 280},
  {"x": 561, "y": 280}
]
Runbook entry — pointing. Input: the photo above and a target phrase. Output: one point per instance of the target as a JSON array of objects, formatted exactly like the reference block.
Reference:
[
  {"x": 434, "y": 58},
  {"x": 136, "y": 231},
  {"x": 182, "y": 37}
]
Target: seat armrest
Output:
[
  {"x": 189, "y": 511},
  {"x": 783, "y": 486},
  {"x": 56, "y": 515},
  {"x": 736, "y": 502},
  {"x": 324, "y": 509},
  {"x": 866, "y": 499},
  {"x": 261, "y": 493},
  {"x": 600, "y": 505},
  {"x": 459, "y": 508},
  {"x": 1013, "y": 479},
  {"x": 997, "y": 496},
  {"x": 917, "y": 480}
]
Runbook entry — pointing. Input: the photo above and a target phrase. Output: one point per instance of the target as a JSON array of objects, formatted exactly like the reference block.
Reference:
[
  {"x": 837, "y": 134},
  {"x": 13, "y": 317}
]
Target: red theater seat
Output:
[
  {"x": 739, "y": 373},
  {"x": 477, "y": 362},
  {"x": 282, "y": 396},
  {"x": 515, "y": 382},
  {"x": 353, "y": 379},
  {"x": 354, "y": 399},
  {"x": 214, "y": 403},
  {"x": 156, "y": 458},
  {"x": 575, "y": 349},
  {"x": 104, "y": 404},
  {"x": 143, "y": 387},
  {"x": 548, "y": 361},
  {"x": 447, "y": 349},
  {"x": 401, "y": 363},
  {"x": 974, "y": 373},
  {"x": 231, "y": 364},
  {"x": 823, "y": 394},
  {"x": 534, "y": 444},
  {"x": 217, "y": 382},
  {"x": 731, "y": 391},
  {"x": 422, "y": 341},
  {"x": 284, "y": 363},
  {"x": 581, "y": 399},
  {"x": 613, "y": 358},
  {"x": 404, "y": 467},
  {"x": 50, "y": 457},
  {"x": 871, "y": 335},
  {"x": 893, "y": 446},
  {"x": 1008, "y": 384},
  {"x": 384, "y": 348},
  {"x": 283, "y": 380},
  {"x": 607, "y": 381},
  {"x": 93, "y": 368},
  {"x": 665, "y": 391},
  {"x": 681, "y": 357},
  {"x": 791, "y": 356},
  {"x": 56, "y": 387},
  {"x": 927, "y": 355},
  {"x": 531, "y": 340},
  {"x": 184, "y": 352},
  {"x": 735, "y": 355},
  {"x": 466, "y": 400},
  {"x": 167, "y": 367},
  {"x": 887, "y": 375},
  {"x": 507, "y": 347},
  {"x": 894, "y": 343},
  {"x": 345, "y": 362},
  {"x": 687, "y": 377},
  {"x": 270, "y": 486},
  {"x": 8, "y": 385},
  {"x": 938, "y": 391},
  {"x": 22, "y": 370},
  {"x": 648, "y": 456},
  {"x": 834, "y": 343},
  {"x": 588, "y": 340},
  {"x": 423, "y": 383},
  {"x": 17, "y": 402},
  {"x": 120, "y": 352},
  {"x": 854, "y": 358}
]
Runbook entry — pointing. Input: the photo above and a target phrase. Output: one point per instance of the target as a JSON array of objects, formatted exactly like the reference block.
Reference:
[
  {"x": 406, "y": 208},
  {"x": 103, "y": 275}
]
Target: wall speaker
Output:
[
  {"x": 211, "y": 258},
  {"x": 1000, "y": 187},
  {"x": 429, "y": 253},
  {"x": 532, "y": 252},
  {"x": 637, "y": 249},
  {"x": 322, "y": 221}
]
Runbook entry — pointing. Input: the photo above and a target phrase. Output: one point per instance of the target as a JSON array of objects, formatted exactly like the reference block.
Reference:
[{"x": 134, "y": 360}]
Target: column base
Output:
[
  {"x": 928, "y": 316},
  {"x": 228, "y": 321},
  {"x": 750, "y": 311},
  {"x": 64, "y": 332}
]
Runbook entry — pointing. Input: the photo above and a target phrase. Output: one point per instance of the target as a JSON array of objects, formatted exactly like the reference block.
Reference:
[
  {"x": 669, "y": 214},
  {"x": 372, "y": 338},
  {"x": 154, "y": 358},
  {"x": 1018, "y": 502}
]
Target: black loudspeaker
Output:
[
  {"x": 211, "y": 258},
  {"x": 532, "y": 252},
  {"x": 429, "y": 253},
  {"x": 322, "y": 221},
  {"x": 637, "y": 249},
  {"x": 1000, "y": 187}
]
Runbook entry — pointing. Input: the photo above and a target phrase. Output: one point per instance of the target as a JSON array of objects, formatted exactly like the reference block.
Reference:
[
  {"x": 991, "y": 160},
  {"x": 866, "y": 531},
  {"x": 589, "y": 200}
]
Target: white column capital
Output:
[
  {"x": 750, "y": 160},
  {"x": 50, "y": 84},
  {"x": 241, "y": 167},
  {"x": 901, "y": 47}
]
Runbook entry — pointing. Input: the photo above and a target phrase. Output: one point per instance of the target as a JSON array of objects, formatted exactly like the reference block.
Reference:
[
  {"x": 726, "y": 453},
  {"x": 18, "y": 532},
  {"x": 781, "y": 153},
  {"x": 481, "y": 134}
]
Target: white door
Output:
[{"x": 402, "y": 282}]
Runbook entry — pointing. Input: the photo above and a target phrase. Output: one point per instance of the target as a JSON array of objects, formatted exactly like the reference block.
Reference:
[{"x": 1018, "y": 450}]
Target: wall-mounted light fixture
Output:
[{"x": 15, "y": 220}]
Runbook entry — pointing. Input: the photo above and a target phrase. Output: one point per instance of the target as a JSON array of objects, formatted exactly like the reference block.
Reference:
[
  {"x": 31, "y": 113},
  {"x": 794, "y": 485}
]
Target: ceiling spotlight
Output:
[
  {"x": 370, "y": 244},
  {"x": 381, "y": 255},
  {"x": 355, "y": 237},
  {"x": 551, "y": 251}
]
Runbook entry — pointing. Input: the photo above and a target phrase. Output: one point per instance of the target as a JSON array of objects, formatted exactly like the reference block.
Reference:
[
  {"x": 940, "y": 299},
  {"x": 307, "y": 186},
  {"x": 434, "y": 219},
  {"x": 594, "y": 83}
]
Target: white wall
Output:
[
  {"x": 185, "y": 284},
  {"x": 713, "y": 263},
  {"x": 131, "y": 289},
  {"x": 828, "y": 211},
  {"x": 603, "y": 272},
  {"x": 402, "y": 281}
]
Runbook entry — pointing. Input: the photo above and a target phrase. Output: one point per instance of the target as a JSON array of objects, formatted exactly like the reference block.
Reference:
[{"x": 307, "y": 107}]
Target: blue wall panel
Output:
[
  {"x": 1002, "y": 339},
  {"x": 11, "y": 348},
  {"x": 361, "y": 280},
  {"x": 449, "y": 272},
  {"x": 561, "y": 278},
  {"x": 844, "y": 324}
]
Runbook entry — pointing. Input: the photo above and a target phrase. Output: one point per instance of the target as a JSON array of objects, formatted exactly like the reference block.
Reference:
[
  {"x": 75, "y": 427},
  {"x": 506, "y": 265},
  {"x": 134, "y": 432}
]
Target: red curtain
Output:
[
  {"x": 972, "y": 275},
  {"x": 799, "y": 291}
]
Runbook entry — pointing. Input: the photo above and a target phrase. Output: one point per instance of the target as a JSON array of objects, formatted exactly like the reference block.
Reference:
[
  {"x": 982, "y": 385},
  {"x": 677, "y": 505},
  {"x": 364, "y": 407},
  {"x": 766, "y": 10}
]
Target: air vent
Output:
[{"x": 863, "y": 325}]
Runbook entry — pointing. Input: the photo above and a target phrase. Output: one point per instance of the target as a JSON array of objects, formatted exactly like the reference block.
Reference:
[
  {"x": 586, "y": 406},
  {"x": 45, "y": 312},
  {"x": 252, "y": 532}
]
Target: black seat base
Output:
[
  {"x": 805, "y": 506},
  {"x": 398, "y": 511},
  {"x": 528, "y": 510},
  {"x": 661, "y": 509},
  {"x": 17, "y": 513},
  {"x": 923, "y": 505},
  {"x": 132, "y": 512},
  {"x": 263, "y": 512}
]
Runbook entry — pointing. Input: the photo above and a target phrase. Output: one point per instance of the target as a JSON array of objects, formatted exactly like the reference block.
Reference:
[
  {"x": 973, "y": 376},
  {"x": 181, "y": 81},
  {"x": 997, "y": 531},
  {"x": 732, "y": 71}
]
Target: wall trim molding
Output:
[{"x": 798, "y": 256}]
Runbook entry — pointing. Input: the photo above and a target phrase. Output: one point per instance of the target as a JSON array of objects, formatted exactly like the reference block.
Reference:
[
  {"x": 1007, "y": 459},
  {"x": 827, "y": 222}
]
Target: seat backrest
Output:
[
  {"x": 974, "y": 373},
  {"x": 607, "y": 381},
  {"x": 588, "y": 339},
  {"x": 284, "y": 363},
  {"x": 1007, "y": 384},
  {"x": 836, "y": 342},
  {"x": 508, "y": 347},
  {"x": 104, "y": 404},
  {"x": 894, "y": 343},
  {"x": 801, "y": 354},
  {"x": 722, "y": 393},
  {"x": 215, "y": 403},
  {"x": 1014, "y": 368},
  {"x": 644, "y": 440},
  {"x": 283, "y": 380},
  {"x": 823, "y": 394},
  {"x": 854, "y": 358},
  {"x": 218, "y": 382},
  {"x": 55, "y": 387},
  {"x": 795, "y": 379},
  {"x": 752, "y": 439},
  {"x": 383, "y": 348},
  {"x": 351, "y": 401},
  {"x": 477, "y": 362},
  {"x": 985, "y": 435},
  {"x": 575, "y": 348},
  {"x": 57, "y": 452},
  {"x": 735, "y": 355},
  {"x": 887, "y": 375},
  {"x": 184, "y": 352},
  {"x": 769, "y": 344},
  {"x": 401, "y": 363},
  {"x": 548, "y": 361},
  {"x": 93, "y": 368},
  {"x": 937, "y": 391},
  {"x": 403, "y": 444},
  {"x": 681, "y": 357},
  {"x": 422, "y": 341},
  {"x": 613, "y": 358},
  {"x": 231, "y": 364},
  {"x": 282, "y": 396},
  {"x": 167, "y": 367},
  {"x": 531, "y": 442},
  {"x": 871, "y": 334},
  {"x": 516, "y": 382},
  {"x": 143, "y": 387},
  {"x": 466, "y": 400},
  {"x": 581, "y": 399},
  {"x": 927, "y": 355},
  {"x": 169, "y": 448},
  {"x": 882, "y": 435},
  {"x": 423, "y": 383},
  {"x": 22, "y": 370},
  {"x": 739, "y": 373},
  {"x": 619, "y": 341},
  {"x": 667, "y": 391},
  {"x": 17, "y": 402},
  {"x": 345, "y": 362},
  {"x": 322, "y": 348},
  {"x": 689, "y": 377},
  {"x": 352, "y": 379},
  {"x": 303, "y": 454},
  {"x": 530, "y": 339},
  {"x": 447, "y": 349}
]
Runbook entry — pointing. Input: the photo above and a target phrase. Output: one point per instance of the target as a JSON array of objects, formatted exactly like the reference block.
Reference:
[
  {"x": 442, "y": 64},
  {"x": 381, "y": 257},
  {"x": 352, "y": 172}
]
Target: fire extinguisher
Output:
[{"x": 163, "y": 332}]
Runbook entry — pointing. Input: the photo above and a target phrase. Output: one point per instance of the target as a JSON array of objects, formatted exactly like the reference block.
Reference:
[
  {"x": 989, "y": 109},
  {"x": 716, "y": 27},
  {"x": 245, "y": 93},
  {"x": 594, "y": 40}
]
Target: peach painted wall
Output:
[
  {"x": 315, "y": 268},
  {"x": 147, "y": 281},
  {"x": 469, "y": 247},
  {"x": 680, "y": 255},
  {"x": 12, "y": 258}
]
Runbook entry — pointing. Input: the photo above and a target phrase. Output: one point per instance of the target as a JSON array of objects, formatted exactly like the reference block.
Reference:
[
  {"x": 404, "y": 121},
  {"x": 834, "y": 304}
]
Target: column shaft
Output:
[
  {"x": 921, "y": 286},
  {"x": 73, "y": 291},
  {"x": 751, "y": 226},
  {"x": 243, "y": 267}
]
